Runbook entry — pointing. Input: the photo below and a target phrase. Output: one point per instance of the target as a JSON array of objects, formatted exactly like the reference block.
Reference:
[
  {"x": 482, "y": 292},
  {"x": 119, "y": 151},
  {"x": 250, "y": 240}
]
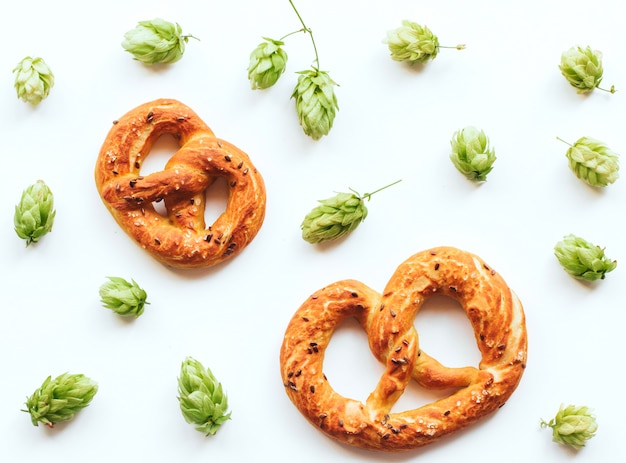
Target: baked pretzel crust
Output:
[
  {"x": 181, "y": 239},
  {"x": 498, "y": 321}
]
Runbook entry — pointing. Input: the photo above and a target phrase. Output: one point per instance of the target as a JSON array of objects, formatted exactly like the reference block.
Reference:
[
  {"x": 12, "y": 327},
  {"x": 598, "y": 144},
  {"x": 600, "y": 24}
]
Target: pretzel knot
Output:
[
  {"x": 180, "y": 238},
  {"x": 493, "y": 310}
]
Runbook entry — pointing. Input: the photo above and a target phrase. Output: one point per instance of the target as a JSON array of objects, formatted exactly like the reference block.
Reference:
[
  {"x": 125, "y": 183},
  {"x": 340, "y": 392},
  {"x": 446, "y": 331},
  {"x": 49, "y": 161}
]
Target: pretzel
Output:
[
  {"x": 495, "y": 313},
  {"x": 181, "y": 239}
]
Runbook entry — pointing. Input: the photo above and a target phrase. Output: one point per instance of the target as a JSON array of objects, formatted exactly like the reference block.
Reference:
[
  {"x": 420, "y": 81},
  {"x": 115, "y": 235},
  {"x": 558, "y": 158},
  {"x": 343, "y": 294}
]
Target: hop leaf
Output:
[
  {"x": 156, "y": 41},
  {"x": 572, "y": 426},
  {"x": 123, "y": 297},
  {"x": 336, "y": 216},
  {"x": 582, "y": 68},
  {"x": 316, "y": 102},
  {"x": 60, "y": 398},
  {"x": 472, "y": 154},
  {"x": 583, "y": 260},
  {"x": 593, "y": 162},
  {"x": 202, "y": 399},
  {"x": 33, "y": 80},
  {"x": 34, "y": 215},
  {"x": 267, "y": 63},
  {"x": 412, "y": 43}
]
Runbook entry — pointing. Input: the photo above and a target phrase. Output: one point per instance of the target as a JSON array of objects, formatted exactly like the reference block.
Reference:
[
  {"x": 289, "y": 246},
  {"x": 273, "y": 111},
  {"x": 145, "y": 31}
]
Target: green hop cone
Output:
[
  {"x": 316, "y": 102},
  {"x": 572, "y": 426},
  {"x": 412, "y": 43},
  {"x": 267, "y": 63},
  {"x": 33, "y": 80},
  {"x": 333, "y": 218},
  {"x": 336, "y": 216},
  {"x": 123, "y": 297},
  {"x": 583, "y": 260},
  {"x": 60, "y": 398},
  {"x": 202, "y": 399},
  {"x": 156, "y": 41},
  {"x": 472, "y": 154},
  {"x": 34, "y": 215},
  {"x": 582, "y": 68},
  {"x": 593, "y": 162}
]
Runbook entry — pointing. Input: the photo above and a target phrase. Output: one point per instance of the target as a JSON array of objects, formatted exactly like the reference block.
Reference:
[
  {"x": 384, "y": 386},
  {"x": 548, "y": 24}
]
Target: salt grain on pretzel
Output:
[
  {"x": 181, "y": 238},
  {"x": 494, "y": 311}
]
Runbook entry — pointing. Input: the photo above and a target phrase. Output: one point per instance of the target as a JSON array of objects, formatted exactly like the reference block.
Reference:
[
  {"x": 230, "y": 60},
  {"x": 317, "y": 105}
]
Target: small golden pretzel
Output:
[
  {"x": 181, "y": 239},
  {"x": 498, "y": 321}
]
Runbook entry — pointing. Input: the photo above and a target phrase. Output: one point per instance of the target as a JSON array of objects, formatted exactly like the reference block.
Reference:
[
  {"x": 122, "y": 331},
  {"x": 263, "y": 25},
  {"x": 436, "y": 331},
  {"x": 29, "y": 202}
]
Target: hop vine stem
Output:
[
  {"x": 310, "y": 32},
  {"x": 460, "y": 46},
  {"x": 608, "y": 90},
  {"x": 292, "y": 33},
  {"x": 369, "y": 195},
  {"x": 567, "y": 143}
]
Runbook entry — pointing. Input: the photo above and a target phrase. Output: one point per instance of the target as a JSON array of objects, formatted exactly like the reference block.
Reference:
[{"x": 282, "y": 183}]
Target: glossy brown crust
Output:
[
  {"x": 181, "y": 239},
  {"x": 495, "y": 313}
]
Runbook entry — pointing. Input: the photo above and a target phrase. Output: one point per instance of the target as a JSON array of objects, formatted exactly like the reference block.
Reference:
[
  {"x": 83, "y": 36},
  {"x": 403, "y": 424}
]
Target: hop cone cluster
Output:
[
  {"x": 123, "y": 297},
  {"x": 267, "y": 63},
  {"x": 34, "y": 215},
  {"x": 316, "y": 102},
  {"x": 472, "y": 154},
  {"x": 412, "y": 43},
  {"x": 33, "y": 80},
  {"x": 593, "y": 162},
  {"x": 583, "y": 260},
  {"x": 203, "y": 402},
  {"x": 156, "y": 41},
  {"x": 572, "y": 426},
  {"x": 333, "y": 218},
  {"x": 60, "y": 398},
  {"x": 582, "y": 68}
]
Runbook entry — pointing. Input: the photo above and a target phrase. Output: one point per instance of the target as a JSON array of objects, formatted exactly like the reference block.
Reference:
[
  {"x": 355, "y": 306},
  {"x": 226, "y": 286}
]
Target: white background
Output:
[{"x": 395, "y": 122}]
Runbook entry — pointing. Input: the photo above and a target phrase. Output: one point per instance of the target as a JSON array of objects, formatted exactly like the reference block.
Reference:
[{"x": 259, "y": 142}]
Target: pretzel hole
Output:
[
  {"x": 215, "y": 200},
  {"x": 161, "y": 151},
  {"x": 416, "y": 396},
  {"x": 349, "y": 366},
  {"x": 446, "y": 333}
]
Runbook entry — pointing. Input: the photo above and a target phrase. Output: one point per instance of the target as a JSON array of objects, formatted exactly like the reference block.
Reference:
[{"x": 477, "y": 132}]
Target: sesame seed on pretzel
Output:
[
  {"x": 180, "y": 239},
  {"x": 498, "y": 321}
]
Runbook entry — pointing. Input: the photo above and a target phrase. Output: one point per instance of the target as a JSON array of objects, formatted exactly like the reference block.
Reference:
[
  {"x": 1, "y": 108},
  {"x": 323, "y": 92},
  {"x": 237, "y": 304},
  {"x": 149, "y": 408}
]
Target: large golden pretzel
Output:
[
  {"x": 495, "y": 313},
  {"x": 181, "y": 239}
]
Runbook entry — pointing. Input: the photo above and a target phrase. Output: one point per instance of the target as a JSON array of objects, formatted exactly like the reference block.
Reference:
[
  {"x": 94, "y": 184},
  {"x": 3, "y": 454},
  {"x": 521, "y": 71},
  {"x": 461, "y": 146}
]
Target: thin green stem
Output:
[
  {"x": 306, "y": 29},
  {"x": 369, "y": 195},
  {"x": 610, "y": 90},
  {"x": 291, "y": 33},
  {"x": 560, "y": 139},
  {"x": 545, "y": 424},
  {"x": 460, "y": 46}
]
